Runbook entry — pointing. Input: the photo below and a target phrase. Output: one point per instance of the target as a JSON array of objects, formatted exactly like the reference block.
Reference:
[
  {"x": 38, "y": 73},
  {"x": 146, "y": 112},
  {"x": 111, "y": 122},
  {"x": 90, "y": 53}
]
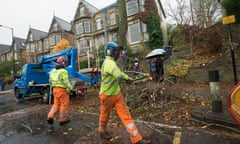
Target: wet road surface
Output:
[{"x": 26, "y": 124}]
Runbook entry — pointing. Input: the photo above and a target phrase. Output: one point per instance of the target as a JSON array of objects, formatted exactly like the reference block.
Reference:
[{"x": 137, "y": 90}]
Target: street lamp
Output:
[{"x": 14, "y": 70}]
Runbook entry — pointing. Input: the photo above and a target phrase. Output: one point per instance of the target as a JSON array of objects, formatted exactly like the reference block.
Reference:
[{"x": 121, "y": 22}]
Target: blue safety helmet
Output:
[{"x": 112, "y": 49}]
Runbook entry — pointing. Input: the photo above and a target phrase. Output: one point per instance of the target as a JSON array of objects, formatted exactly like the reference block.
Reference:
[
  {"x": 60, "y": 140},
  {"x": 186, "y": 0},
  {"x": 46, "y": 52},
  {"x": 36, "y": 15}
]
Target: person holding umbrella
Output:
[
  {"x": 160, "y": 68},
  {"x": 153, "y": 69}
]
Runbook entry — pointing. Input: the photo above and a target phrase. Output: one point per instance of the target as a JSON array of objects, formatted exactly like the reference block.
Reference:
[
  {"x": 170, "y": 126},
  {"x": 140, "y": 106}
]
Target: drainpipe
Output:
[{"x": 105, "y": 25}]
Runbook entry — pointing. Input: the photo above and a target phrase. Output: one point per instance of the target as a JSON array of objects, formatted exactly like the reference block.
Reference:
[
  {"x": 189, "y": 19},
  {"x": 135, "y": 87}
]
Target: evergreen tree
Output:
[
  {"x": 155, "y": 32},
  {"x": 232, "y": 7}
]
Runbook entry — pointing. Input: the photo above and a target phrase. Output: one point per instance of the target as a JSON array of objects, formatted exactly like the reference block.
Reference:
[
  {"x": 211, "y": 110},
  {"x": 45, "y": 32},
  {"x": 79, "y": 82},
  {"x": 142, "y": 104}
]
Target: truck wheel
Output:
[
  {"x": 17, "y": 94},
  {"x": 45, "y": 96}
]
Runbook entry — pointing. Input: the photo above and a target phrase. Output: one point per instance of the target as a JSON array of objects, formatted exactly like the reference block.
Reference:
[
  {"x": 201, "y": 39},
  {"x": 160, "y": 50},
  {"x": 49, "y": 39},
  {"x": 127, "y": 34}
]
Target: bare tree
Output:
[
  {"x": 178, "y": 11},
  {"x": 206, "y": 12}
]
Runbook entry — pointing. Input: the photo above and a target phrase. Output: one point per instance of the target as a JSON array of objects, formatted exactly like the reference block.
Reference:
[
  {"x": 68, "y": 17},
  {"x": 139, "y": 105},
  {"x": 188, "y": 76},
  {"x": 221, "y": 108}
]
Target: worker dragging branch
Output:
[{"x": 111, "y": 97}]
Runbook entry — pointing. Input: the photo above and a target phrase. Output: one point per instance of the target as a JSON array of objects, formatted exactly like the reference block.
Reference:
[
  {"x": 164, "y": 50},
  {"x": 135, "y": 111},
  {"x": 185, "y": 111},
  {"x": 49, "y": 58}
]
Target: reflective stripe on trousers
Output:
[
  {"x": 118, "y": 102},
  {"x": 61, "y": 101}
]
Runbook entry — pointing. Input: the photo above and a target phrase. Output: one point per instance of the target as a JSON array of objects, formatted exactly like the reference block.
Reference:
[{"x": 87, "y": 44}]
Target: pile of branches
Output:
[
  {"x": 163, "y": 101},
  {"x": 152, "y": 93}
]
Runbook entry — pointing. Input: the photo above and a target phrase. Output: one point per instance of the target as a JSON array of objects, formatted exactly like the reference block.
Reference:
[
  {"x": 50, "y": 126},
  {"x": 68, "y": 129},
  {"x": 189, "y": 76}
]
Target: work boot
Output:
[
  {"x": 50, "y": 121},
  {"x": 144, "y": 142},
  {"x": 64, "y": 122},
  {"x": 106, "y": 135}
]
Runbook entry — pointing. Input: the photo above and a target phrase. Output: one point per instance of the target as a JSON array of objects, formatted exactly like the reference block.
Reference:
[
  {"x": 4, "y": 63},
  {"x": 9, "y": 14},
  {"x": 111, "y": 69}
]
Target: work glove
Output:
[
  {"x": 69, "y": 91},
  {"x": 129, "y": 81}
]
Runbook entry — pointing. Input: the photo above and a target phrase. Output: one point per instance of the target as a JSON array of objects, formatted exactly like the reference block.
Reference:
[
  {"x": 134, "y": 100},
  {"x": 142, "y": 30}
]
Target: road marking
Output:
[{"x": 177, "y": 137}]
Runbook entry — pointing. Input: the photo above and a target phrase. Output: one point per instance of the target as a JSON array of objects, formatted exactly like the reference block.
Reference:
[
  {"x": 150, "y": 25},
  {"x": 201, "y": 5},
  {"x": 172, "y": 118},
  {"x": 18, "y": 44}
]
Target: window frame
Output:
[
  {"x": 112, "y": 18},
  {"x": 82, "y": 11},
  {"x": 79, "y": 28},
  {"x": 131, "y": 7},
  {"x": 134, "y": 32},
  {"x": 87, "y": 28},
  {"x": 98, "y": 24}
]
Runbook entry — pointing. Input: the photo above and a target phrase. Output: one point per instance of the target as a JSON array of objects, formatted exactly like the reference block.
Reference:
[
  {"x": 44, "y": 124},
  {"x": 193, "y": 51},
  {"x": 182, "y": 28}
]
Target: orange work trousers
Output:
[
  {"x": 117, "y": 102},
  {"x": 61, "y": 101}
]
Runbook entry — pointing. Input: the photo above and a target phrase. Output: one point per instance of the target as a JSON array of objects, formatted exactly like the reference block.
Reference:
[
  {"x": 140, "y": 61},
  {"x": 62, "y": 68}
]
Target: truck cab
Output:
[{"x": 33, "y": 80}]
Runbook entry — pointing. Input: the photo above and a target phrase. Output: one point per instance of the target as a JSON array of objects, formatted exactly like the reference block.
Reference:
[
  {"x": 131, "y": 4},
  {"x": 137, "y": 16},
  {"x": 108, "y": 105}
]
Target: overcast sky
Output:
[{"x": 23, "y": 14}]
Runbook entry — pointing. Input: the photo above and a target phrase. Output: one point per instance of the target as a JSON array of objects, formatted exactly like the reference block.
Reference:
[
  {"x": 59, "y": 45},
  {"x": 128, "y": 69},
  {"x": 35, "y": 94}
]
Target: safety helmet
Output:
[
  {"x": 61, "y": 60},
  {"x": 112, "y": 49}
]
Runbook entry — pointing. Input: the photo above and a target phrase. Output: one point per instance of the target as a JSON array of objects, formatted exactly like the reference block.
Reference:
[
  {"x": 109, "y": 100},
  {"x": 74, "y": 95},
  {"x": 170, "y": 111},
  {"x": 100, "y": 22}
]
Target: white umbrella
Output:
[{"x": 155, "y": 52}]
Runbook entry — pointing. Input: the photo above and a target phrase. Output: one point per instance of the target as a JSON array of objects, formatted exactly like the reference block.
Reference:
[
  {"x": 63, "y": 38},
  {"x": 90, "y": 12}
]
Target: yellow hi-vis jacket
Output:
[
  {"x": 110, "y": 75},
  {"x": 59, "y": 78}
]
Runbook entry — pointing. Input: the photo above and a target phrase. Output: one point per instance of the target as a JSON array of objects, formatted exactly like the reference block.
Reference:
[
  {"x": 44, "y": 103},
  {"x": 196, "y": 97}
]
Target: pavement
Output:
[
  {"x": 6, "y": 91},
  {"x": 211, "y": 115}
]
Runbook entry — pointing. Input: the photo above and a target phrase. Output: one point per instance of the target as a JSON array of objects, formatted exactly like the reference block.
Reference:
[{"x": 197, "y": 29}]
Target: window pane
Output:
[
  {"x": 82, "y": 12},
  {"x": 100, "y": 41},
  {"x": 80, "y": 28},
  {"x": 58, "y": 38},
  {"x": 141, "y": 4},
  {"x": 89, "y": 45},
  {"x": 131, "y": 7},
  {"x": 87, "y": 26},
  {"x": 112, "y": 19},
  {"x": 52, "y": 40},
  {"x": 98, "y": 22},
  {"x": 55, "y": 27},
  {"x": 28, "y": 48},
  {"x": 144, "y": 30},
  {"x": 134, "y": 33},
  {"x": 32, "y": 47},
  {"x": 31, "y": 37},
  {"x": 81, "y": 46}
]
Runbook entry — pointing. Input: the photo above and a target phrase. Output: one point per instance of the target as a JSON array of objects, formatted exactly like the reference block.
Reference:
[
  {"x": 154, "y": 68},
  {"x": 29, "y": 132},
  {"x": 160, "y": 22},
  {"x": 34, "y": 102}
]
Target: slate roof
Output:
[
  {"x": 63, "y": 24},
  {"x": 37, "y": 34},
  {"x": 20, "y": 43},
  {"x": 5, "y": 49},
  {"x": 89, "y": 6}
]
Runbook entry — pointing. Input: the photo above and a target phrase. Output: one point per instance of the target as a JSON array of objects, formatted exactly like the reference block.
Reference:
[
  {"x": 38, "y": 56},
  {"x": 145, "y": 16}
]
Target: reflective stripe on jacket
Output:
[
  {"x": 59, "y": 78},
  {"x": 110, "y": 74}
]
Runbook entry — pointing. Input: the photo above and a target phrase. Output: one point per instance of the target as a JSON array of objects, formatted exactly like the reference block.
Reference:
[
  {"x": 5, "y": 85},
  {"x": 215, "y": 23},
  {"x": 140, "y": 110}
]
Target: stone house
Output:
[
  {"x": 58, "y": 30},
  {"x": 19, "y": 50},
  {"x": 94, "y": 27},
  {"x": 6, "y": 53},
  {"x": 90, "y": 29},
  {"x": 35, "y": 45}
]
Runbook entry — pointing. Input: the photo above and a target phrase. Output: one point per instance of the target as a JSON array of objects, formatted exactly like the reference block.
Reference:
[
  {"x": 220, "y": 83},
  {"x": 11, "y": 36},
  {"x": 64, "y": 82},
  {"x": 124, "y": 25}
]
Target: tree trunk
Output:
[{"x": 122, "y": 24}]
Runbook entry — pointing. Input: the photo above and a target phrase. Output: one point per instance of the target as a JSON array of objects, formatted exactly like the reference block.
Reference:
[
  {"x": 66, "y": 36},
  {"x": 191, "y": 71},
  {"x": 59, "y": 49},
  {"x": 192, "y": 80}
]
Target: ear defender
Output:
[{"x": 108, "y": 52}]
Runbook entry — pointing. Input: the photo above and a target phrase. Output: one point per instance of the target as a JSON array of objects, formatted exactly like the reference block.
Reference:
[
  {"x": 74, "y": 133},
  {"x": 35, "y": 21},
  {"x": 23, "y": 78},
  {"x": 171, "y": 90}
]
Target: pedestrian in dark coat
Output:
[
  {"x": 153, "y": 69},
  {"x": 159, "y": 68},
  {"x": 3, "y": 85}
]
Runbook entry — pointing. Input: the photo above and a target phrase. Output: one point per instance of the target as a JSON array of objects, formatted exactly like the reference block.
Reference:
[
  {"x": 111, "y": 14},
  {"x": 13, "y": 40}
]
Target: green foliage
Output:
[
  {"x": 178, "y": 68},
  {"x": 232, "y": 7},
  {"x": 9, "y": 79},
  {"x": 154, "y": 31},
  {"x": 172, "y": 33},
  {"x": 6, "y": 68}
]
